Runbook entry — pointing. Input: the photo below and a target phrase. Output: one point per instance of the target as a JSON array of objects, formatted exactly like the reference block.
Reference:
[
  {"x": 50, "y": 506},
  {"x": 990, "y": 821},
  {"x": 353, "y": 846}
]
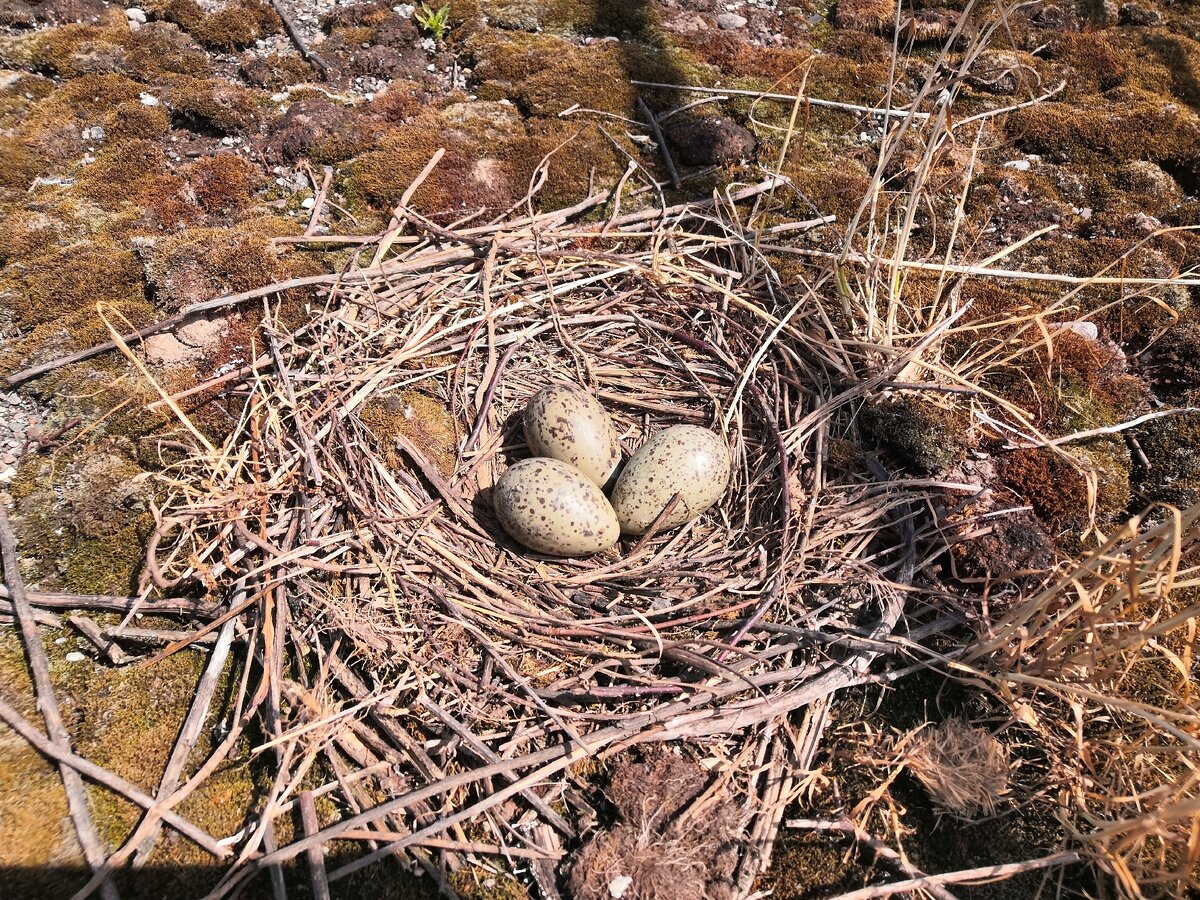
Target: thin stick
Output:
[
  {"x": 315, "y": 853},
  {"x": 662, "y": 142},
  {"x": 112, "y": 603},
  {"x": 189, "y": 734},
  {"x": 981, "y": 874},
  {"x": 47, "y": 702},
  {"x": 787, "y": 98},
  {"x": 298, "y": 41}
]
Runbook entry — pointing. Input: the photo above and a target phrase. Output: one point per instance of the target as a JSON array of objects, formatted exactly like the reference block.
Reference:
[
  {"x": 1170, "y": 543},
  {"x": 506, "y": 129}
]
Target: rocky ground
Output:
[{"x": 160, "y": 155}]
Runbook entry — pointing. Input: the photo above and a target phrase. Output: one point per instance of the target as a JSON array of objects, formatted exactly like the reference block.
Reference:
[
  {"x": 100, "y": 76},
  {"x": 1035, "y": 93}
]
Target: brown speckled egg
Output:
[
  {"x": 552, "y": 508},
  {"x": 684, "y": 459},
  {"x": 568, "y": 424}
]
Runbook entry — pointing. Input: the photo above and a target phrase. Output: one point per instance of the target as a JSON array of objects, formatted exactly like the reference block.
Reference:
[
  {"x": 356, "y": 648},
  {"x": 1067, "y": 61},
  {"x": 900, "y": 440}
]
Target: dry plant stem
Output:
[
  {"x": 47, "y": 702},
  {"x": 189, "y": 734},
  {"x": 786, "y": 98},
  {"x": 108, "y": 603},
  {"x": 316, "y": 855},
  {"x": 115, "y": 783},
  {"x": 881, "y": 850},
  {"x": 980, "y": 875},
  {"x": 90, "y": 630},
  {"x": 662, "y": 142}
]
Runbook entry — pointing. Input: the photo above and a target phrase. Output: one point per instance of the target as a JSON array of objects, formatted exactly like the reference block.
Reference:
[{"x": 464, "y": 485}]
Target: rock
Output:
[
  {"x": 686, "y": 23},
  {"x": 133, "y": 14},
  {"x": 1145, "y": 177},
  {"x": 709, "y": 140},
  {"x": 731, "y": 21},
  {"x": 167, "y": 350},
  {"x": 202, "y": 333},
  {"x": 1136, "y": 14},
  {"x": 75, "y": 656}
]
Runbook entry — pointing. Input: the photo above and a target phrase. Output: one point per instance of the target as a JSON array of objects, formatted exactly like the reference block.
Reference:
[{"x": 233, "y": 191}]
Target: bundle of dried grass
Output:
[{"x": 963, "y": 767}]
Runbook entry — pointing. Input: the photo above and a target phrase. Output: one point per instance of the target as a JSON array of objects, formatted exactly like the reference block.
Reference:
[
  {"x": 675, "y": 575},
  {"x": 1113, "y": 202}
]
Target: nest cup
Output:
[{"x": 652, "y": 361}]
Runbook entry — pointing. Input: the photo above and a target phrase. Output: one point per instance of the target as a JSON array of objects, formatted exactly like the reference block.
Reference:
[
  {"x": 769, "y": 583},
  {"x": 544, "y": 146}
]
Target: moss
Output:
[
  {"x": 222, "y": 183},
  {"x": 1057, "y": 489},
  {"x": 21, "y": 166},
  {"x": 68, "y": 278},
  {"x": 277, "y": 70},
  {"x": 233, "y": 26},
  {"x": 1173, "y": 361},
  {"x": 422, "y": 420},
  {"x": 134, "y": 120},
  {"x": 1124, "y": 125},
  {"x": 927, "y": 435},
  {"x": 201, "y": 263},
  {"x": 213, "y": 106},
  {"x": 628, "y": 18},
  {"x": 476, "y": 884},
  {"x": 20, "y": 95},
  {"x": 137, "y": 181},
  {"x": 84, "y": 519},
  {"x": 1171, "y": 446}
]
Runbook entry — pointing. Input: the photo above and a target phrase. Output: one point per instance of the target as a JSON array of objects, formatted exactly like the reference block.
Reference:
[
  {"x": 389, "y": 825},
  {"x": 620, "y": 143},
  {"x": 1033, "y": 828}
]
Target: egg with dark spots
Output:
[
  {"x": 551, "y": 507},
  {"x": 569, "y": 424},
  {"x": 684, "y": 459}
]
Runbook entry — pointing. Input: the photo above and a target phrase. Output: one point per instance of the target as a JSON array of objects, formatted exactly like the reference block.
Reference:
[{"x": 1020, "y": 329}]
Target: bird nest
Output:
[{"x": 347, "y": 524}]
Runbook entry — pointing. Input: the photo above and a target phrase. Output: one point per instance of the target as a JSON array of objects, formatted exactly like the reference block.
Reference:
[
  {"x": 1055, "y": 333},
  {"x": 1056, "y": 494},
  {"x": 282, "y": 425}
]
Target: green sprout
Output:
[{"x": 435, "y": 21}]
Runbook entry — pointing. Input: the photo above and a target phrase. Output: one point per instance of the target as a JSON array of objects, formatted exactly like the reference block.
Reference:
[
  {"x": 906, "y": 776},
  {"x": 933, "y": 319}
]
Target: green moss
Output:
[
  {"x": 927, "y": 435},
  {"x": 84, "y": 519},
  {"x": 476, "y": 884},
  {"x": 64, "y": 279},
  {"x": 233, "y": 26},
  {"x": 1124, "y": 125}
]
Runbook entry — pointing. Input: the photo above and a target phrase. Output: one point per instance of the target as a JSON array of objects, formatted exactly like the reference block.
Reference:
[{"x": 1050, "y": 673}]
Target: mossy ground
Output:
[{"x": 178, "y": 203}]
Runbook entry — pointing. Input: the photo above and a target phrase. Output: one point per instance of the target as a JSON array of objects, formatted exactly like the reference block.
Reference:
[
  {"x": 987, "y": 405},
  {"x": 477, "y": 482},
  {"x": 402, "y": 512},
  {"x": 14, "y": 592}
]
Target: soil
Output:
[{"x": 161, "y": 155}]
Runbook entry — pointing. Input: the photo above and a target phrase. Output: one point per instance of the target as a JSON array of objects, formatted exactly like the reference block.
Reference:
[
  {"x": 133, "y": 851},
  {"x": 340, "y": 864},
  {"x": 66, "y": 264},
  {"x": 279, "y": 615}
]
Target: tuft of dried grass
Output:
[
  {"x": 964, "y": 767},
  {"x": 664, "y": 845}
]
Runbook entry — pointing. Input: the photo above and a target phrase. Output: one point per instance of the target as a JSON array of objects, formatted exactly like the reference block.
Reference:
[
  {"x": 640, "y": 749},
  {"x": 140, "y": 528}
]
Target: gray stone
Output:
[{"x": 731, "y": 21}]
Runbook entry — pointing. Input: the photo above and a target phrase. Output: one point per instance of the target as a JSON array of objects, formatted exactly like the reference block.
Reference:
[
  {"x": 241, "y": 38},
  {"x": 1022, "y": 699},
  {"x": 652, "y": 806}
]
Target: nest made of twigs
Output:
[{"x": 351, "y": 508}]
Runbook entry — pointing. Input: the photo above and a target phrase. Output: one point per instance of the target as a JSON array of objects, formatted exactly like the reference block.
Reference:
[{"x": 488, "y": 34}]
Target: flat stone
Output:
[{"x": 730, "y": 21}]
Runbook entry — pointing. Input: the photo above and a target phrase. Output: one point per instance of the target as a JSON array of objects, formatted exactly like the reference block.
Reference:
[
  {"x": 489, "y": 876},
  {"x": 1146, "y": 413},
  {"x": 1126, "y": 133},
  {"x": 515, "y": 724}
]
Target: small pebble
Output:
[
  {"x": 731, "y": 21},
  {"x": 75, "y": 656},
  {"x": 148, "y": 99},
  {"x": 133, "y": 14}
]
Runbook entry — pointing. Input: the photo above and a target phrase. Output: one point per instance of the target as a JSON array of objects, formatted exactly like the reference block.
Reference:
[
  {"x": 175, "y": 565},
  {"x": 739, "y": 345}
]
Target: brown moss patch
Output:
[
  {"x": 201, "y": 263},
  {"x": 222, "y": 183},
  {"x": 64, "y": 279},
  {"x": 213, "y": 106},
  {"x": 137, "y": 180},
  {"x": 276, "y": 70},
  {"x": 234, "y": 26}
]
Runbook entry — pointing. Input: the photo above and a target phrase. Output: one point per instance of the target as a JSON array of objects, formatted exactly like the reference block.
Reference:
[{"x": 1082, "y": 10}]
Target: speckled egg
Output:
[
  {"x": 568, "y": 424},
  {"x": 553, "y": 508},
  {"x": 693, "y": 462}
]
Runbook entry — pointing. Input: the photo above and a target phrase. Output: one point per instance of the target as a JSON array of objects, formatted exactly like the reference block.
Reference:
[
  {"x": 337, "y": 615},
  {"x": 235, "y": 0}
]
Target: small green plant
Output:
[{"x": 435, "y": 21}]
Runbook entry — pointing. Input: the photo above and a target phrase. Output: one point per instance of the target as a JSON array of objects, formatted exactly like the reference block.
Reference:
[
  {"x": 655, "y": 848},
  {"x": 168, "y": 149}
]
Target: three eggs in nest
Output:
[{"x": 555, "y": 502}]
